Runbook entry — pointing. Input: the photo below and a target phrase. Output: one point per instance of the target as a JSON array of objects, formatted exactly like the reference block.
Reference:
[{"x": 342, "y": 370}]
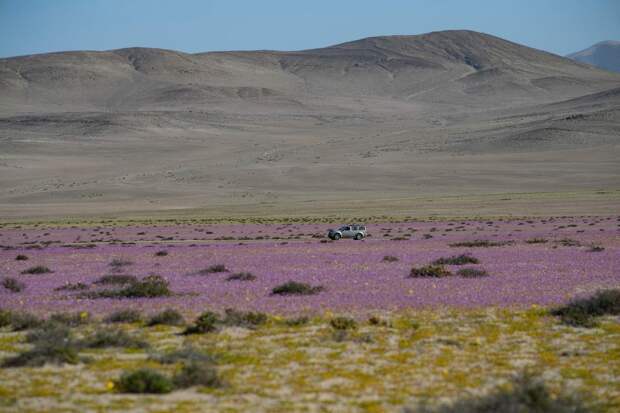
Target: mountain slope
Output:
[
  {"x": 452, "y": 67},
  {"x": 604, "y": 55}
]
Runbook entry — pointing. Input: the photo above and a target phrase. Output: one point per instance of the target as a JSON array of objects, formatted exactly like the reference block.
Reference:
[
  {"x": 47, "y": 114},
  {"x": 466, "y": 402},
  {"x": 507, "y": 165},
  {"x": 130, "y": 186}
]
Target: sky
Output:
[{"x": 40, "y": 26}]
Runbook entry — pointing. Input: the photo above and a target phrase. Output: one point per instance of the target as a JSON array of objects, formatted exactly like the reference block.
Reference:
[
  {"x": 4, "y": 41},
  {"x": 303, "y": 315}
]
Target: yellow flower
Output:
[
  {"x": 277, "y": 318},
  {"x": 109, "y": 385},
  {"x": 328, "y": 314},
  {"x": 83, "y": 314}
]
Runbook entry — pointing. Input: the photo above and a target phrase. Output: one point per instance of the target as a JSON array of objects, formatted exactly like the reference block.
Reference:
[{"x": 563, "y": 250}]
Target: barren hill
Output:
[
  {"x": 605, "y": 55},
  {"x": 386, "y": 117}
]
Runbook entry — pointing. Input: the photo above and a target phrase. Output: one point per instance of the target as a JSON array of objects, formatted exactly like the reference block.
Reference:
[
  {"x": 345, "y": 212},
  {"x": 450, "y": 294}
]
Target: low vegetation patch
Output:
[
  {"x": 120, "y": 262},
  {"x": 472, "y": 273},
  {"x": 213, "y": 269},
  {"x": 144, "y": 381},
  {"x": 241, "y": 276},
  {"x": 205, "y": 323},
  {"x": 456, "y": 260},
  {"x": 116, "y": 279},
  {"x": 168, "y": 317},
  {"x": 150, "y": 287},
  {"x": 71, "y": 319},
  {"x": 52, "y": 342},
  {"x": 106, "y": 338},
  {"x": 124, "y": 316},
  {"x": 161, "y": 253},
  {"x": 296, "y": 288},
  {"x": 343, "y": 323},
  {"x": 246, "y": 319},
  {"x": 13, "y": 285},
  {"x": 389, "y": 258},
  {"x": 429, "y": 271},
  {"x": 21, "y": 257},
  {"x": 526, "y": 393},
  {"x": 20, "y": 321},
  {"x": 39, "y": 269},
  {"x": 582, "y": 312},
  {"x": 72, "y": 287},
  {"x": 197, "y": 374},
  {"x": 536, "y": 241},
  {"x": 185, "y": 355},
  {"x": 481, "y": 244}
]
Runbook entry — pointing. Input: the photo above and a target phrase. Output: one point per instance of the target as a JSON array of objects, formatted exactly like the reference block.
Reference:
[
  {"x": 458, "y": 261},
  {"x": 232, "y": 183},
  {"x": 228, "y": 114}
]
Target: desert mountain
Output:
[
  {"x": 379, "y": 118},
  {"x": 604, "y": 55}
]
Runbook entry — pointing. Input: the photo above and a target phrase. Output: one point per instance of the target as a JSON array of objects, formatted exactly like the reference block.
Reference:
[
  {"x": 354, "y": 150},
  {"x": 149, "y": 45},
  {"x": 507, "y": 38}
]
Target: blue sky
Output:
[{"x": 38, "y": 26}]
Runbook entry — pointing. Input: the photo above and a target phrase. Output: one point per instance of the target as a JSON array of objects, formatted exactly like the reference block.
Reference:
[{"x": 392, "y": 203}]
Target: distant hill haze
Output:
[
  {"x": 605, "y": 55},
  {"x": 391, "y": 117}
]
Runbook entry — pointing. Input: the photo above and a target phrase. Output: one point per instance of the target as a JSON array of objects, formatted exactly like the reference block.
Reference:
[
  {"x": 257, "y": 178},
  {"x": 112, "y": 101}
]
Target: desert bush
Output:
[
  {"x": 168, "y": 317},
  {"x": 13, "y": 285},
  {"x": 376, "y": 321},
  {"x": 472, "y": 273},
  {"x": 149, "y": 287},
  {"x": 185, "y": 355},
  {"x": 39, "y": 269},
  {"x": 526, "y": 393},
  {"x": 536, "y": 241},
  {"x": 389, "y": 258},
  {"x": 197, "y": 374},
  {"x": 124, "y": 316},
  {"x": 70, "y": 319},
  {"x": 596, "y": 248},
  {"x": 343, "y": 323},
  {"x": 161, "y": 253},
  {"x": 112, "y": 338},
  {"x": 456, "y": 260},
  {"x": 205, "y": 323},
  {"x": 296, "y": 288},
  {"x": 241, "y": 276},
  {"x": 24, "y": 321},
  {"x": 297, "y": 321},
  {"x": 247, "y": 319},
  {"x": 52, "y": 343},
  {"x": 481, "y": 243},
  {"x": 5, "y": 318},
  {"x": 144, "y": 381},
  {"x": 116, "y": 279},
  {"x": 568, "y": 242},
  {"x": 72, "y": 287},
  {"x": 582, "y": 312},
  {"x": 119, "y": 263},
  {"x": 434, "y": 271},
  {"x": 213, "y": 269},
  {"x": 21, "y": 257}
]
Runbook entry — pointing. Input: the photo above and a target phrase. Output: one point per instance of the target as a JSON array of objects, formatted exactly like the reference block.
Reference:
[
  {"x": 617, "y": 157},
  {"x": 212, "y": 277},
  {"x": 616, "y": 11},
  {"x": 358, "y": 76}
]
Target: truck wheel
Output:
[
  {"x": 336, "y": 237},
  {"x": 358, "y": 237}
]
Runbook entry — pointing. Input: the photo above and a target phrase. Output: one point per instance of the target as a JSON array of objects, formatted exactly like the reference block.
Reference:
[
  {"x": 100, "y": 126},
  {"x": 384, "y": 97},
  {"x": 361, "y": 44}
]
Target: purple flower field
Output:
[{"x": 556, "y": 264}]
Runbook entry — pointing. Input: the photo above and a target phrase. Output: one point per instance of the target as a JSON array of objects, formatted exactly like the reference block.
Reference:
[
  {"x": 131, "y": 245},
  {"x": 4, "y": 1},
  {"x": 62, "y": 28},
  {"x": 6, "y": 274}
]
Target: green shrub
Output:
[
  {"x": 472, "y": 273},
  {"x": 120, "y": 262},
  {"x": 52, "y": 343},
  {"x": 197, "y": 374},
  {"x": 481, "y": 243},
  {"x": 72, "y": 287},
  {"x": 241, "y": 276},
  {"x": 297, "y": 321},
  {"x": 71, "y": 319},
  {"x": 526, "y": 394},
  {"x": 213, "y": 269},
  {"x": 581, "y": 312},
  {"x": 536, "y": 241},
  {"x": 124, "y": 316},
  {"x": 456, "y": 260},
  {"x": 116, "y": 279},
  {"x": 21, "y": 257},
  {"x": 296, "y": 288},
  {"x": 144, "y": 381},
  {"x": 433, "y": 271},
  {"x": 149, "y": 287},
  {"x": 343, "y": 323},
  {"x": 13, "y": 285},
  {"x": 161, "y": 253},
  {"x": 39, "y": 269},
  {"x": 185, "y": 355},
  {"x": 5, "y": 318},
  {"x": 112, "y": 338},
  {"x": 389, "y": 258},
  {"x": 168, "y": 317},
  {"x": 24, "y": 321},
  {"x": 247, "y": 319},
  {"x": 205, "y": 323}
]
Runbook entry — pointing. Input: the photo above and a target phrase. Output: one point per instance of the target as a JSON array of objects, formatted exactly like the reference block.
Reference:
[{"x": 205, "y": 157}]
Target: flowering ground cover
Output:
[{"x": 419, "y": 313}]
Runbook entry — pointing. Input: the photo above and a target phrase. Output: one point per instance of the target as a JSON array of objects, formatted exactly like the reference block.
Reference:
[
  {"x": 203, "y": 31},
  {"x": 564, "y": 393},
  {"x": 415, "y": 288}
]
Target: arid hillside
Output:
[{"x": 396, "y": 117}]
